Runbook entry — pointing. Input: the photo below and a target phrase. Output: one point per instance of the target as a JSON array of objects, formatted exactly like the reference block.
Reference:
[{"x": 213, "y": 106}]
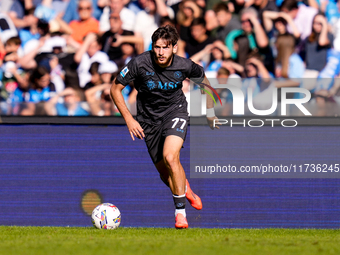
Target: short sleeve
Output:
[
  {"x": 128, "y": 73},
  {"x": 196, "y": 73}
]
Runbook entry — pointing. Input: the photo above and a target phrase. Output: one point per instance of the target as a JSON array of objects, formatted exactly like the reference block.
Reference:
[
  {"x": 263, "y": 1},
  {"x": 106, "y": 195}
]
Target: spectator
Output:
[
  {"x": 226, "y": 97},
  {"x": 127, "y": 16},
  {"x": 235, "y": 71},
  {"x": 258, "y": 80},
  {"x": 35, "y": 31},
  {"x": 200, "y": 39},
  {"x": 45, "y": 11},
  {"x": 101, "y": 73},
  {"x": 188, "y": 11},
  {"x": 103, "y": 105},
  {"x": 6, "y": 5},
  {"x": 98, "y": 95},
  {"x": 89, "y": 62},
  {"x": 107, "y": 71},
  {"x": 226, "y": 21},
  {"x": 331, "y": 11},
  {"x": 57, "y": 74},
  {"x": 88, "y": 53},
  {"x": 217, "y": 52},
  {"x": 222, "y": 75},
  {"x": 71, "y": 105},
  {"x": 255, "y": 68},
  {"x": 288, "y": 63},
  {"x": 72, "y": 14},
  {"x": 95, "y": 76},
  {"x": 41, "y": 88},
  {"x": 16, "y": 90},
  {"x": 336, "y": 42},
  {"x": 128, "y": 50},
  {"x": 236, "y": 6},
  {"x": 12, "y": 44},
  {"x": 114, "y": 39},
  {"x": 148, "y": 20},
  {"x": 7, "y": 28},
  {"x": 325, "y": 85},
  {"x": 86, "y": 24},
  {"x": 12, "y": 74},
  {"x": 301, "y": 14},
  {"x": 256, "y": 35},
  {"x": 264, "y": 5},
  {"x": 208, "y": 14},
  {"x": 18, "y": 12},
  {"x": 243, "y": 49},
  {"x": 137, "y": 6},
  {"x": 280, "y": 21},
  {"x": 317, "y": 44}
]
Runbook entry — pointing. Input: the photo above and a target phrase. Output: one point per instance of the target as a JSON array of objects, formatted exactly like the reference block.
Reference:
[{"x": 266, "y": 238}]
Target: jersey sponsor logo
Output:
[
  {"x": 124, "y": 71},
  {"x": 159, "y": 85},
  {"x": 150, "y": 73},
  {"x": 178, "y": 74}
]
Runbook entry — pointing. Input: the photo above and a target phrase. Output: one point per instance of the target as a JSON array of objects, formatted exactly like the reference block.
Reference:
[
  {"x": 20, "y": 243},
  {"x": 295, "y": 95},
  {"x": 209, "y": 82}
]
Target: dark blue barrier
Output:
[{"x": 45, "y": 170}]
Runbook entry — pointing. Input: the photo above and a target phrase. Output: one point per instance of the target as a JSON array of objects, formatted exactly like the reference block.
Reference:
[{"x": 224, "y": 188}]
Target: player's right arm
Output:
[{"x": 116, "y": 94}]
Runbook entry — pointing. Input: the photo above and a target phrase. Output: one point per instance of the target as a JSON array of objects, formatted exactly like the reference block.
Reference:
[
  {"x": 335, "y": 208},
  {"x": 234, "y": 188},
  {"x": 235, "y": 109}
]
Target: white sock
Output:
[{"x": 181, "y": 211}]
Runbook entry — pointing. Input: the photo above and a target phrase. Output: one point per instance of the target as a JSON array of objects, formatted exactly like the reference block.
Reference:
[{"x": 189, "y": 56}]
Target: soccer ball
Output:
[{"x": 106, "y": 216}]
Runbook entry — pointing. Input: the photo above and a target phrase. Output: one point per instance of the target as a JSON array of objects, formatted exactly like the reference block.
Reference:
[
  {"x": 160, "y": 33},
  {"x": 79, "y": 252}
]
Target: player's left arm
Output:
[
  {"x": 197, "y": 73},
  {"x": 210, "y": 107}
]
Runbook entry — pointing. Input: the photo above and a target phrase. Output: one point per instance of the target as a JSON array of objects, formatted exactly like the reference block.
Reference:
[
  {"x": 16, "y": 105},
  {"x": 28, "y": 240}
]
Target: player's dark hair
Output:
[{"x": 168, "y": 33}]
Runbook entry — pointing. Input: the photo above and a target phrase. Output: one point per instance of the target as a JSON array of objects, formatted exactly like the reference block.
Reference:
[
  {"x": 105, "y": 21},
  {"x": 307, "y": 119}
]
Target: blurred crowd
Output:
[{"x": 59, "y": 57}]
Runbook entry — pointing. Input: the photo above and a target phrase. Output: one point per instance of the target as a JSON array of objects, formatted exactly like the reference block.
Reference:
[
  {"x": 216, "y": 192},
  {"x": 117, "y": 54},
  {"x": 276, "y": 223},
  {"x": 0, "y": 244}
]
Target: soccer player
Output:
[{"x": 162, "y": 117}]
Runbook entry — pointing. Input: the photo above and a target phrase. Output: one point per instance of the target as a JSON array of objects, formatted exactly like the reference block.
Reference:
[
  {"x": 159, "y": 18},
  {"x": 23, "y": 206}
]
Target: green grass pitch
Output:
[{"x": 72, "y": 240}]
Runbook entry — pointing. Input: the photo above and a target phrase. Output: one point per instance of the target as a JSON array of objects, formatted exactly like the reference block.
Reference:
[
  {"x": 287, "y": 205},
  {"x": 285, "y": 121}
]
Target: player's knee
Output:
[{"x": 171, "y": 159}]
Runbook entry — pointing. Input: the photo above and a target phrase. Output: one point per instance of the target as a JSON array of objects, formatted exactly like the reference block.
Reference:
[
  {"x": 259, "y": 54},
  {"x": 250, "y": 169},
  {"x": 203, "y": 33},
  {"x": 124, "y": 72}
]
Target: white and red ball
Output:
[{"x": 106, "y": 216}]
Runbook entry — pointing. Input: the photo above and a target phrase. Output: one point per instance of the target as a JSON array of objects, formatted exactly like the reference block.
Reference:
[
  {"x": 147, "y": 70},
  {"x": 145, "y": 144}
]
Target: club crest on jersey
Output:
[
  {"x": 178, "y": 74},
  {"x": 124, "y": 71},
  {"x": 151, "y": 84}
]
